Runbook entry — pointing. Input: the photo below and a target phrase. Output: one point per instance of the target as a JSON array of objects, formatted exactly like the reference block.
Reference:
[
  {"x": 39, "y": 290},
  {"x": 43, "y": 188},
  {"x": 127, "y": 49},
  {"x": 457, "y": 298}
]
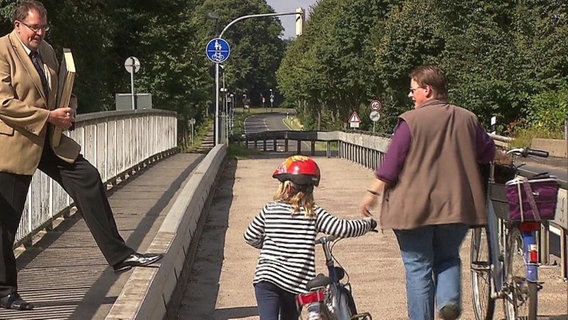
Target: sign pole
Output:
[
  {"x": 217, "y": 131},
  {"x": 132, "y": 87},
  {"x": 218, "y": 51},
  {"x": 132, "y": 64}
]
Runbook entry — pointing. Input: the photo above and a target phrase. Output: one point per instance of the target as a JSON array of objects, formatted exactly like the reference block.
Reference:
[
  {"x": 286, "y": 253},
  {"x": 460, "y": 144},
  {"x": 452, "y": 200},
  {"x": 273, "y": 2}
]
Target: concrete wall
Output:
[
  {"x": 555, "y": 147},
  {"x": 148, "y": 290}
]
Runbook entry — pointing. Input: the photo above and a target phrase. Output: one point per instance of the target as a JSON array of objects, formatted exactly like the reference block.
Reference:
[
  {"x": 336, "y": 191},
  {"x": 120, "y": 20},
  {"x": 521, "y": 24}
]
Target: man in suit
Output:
[{"x": 28, "y": 118}]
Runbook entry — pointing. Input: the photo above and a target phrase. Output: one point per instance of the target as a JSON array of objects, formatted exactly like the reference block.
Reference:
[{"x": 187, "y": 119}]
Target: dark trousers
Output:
[
  {"x": 272, "y": 300},
  {"x": 82, "y": 182}
]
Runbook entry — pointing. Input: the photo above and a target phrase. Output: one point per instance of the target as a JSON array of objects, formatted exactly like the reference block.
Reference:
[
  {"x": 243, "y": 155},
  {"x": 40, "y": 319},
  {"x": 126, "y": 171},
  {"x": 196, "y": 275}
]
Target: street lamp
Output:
[
  {"x": 214, "y": 16},
  {"x": 220, "y": 36}
]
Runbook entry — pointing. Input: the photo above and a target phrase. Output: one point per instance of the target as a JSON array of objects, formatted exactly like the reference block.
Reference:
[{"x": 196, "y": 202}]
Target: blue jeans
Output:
[
  {"x": 431, "y": 257},
  {"x": 272, "y": 300}
]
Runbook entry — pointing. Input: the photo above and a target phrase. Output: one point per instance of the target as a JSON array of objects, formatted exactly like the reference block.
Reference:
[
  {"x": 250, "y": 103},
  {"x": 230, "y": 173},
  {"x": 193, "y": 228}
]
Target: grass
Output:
[
  {"x": 524, "y": 137},
  {"x": 199, "y": 135}
]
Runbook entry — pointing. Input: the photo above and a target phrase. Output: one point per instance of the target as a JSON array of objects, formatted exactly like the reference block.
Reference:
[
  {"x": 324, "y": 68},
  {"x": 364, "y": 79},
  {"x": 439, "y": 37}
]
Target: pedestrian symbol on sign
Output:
[{"x": 218, "y": 50}]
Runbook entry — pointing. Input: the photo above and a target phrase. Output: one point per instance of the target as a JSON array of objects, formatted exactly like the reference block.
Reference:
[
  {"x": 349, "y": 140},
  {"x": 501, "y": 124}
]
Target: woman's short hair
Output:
[{"x": 433, "y": 76}]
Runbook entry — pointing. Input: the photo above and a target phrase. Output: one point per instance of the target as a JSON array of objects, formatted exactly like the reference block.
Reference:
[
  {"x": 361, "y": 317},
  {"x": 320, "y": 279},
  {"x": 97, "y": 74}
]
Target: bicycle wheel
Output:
[
  {"x": 480, "y": 265},
  {"x": 325, "y": 313},
  {"x": 521, "y": 297}
]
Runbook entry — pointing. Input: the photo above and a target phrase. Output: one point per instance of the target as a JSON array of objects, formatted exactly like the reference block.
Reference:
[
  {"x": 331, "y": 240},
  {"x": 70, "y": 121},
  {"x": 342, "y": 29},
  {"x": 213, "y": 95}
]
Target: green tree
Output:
[
  {"x": 329, "y": 71},
  {"x": 256, "y": 48}
]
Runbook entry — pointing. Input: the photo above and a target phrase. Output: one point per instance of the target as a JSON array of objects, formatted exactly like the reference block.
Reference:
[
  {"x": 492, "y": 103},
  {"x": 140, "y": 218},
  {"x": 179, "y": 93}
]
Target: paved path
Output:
[
  {"x": 220, "y": 285},
  {"x": 65, "y": 275}
]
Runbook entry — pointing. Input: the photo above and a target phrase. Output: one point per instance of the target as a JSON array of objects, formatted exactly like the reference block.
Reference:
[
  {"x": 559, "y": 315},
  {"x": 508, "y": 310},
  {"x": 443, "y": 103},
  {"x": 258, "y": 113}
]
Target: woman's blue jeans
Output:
[
  {"x": 431, "y": 257},
  {"x": 272, "y": 300}
]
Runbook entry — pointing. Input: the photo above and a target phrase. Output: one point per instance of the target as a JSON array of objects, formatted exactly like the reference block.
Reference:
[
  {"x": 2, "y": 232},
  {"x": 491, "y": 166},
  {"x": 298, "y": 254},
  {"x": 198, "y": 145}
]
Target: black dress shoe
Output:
[
  {"x": 14, "y": 301},
  {"x": 137, "y": 260}
]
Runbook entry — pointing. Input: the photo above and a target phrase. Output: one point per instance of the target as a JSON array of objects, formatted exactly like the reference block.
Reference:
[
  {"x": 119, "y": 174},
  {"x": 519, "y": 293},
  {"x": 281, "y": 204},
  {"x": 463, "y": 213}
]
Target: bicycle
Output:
[
  {"x": 504, "y": 254},
  {"x": 328, "y": 297}
]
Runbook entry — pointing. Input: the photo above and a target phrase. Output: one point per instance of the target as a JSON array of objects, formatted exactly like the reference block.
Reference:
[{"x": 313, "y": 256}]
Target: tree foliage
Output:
[
  {"x": 169, "y": 39},
  {"x": 503, "y": 58}
]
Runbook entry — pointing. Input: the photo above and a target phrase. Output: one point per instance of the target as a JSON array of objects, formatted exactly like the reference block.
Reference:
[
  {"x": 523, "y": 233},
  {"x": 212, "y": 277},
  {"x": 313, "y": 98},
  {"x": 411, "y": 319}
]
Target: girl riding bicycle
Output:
[{"x": 285, "y": 231}]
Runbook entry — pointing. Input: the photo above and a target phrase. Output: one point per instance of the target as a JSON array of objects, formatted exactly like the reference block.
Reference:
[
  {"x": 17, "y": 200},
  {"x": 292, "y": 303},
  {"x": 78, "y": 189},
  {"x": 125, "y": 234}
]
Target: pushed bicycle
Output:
[
  {"x": 329, "y": 298},
  {"x": 504, "y": 254}
]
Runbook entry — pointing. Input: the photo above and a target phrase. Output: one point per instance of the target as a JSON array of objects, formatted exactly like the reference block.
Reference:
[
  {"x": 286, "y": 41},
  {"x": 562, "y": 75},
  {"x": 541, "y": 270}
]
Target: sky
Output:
[{"x": 289, "y": 22}]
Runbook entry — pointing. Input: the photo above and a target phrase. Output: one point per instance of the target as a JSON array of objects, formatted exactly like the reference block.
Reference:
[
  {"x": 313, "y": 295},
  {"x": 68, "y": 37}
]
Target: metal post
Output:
[
  {"x": 220, "y": 35},
  {"x": 217, "y": 131},
  {"x": 566, "y": 128},
  {"x": 132, "y": 85}
]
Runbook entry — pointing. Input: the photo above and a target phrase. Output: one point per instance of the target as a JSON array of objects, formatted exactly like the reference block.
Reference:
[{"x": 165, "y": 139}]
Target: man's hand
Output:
[
  {"x": 62, "y": 117},
  {"x": 372, "y": 197},
  {"x": 367, "y": 204},
  {"x": 502, "y": 158}
]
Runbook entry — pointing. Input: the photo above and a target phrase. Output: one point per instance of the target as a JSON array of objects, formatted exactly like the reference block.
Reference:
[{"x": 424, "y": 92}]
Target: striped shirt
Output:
[{"x": 287, "y": 242}]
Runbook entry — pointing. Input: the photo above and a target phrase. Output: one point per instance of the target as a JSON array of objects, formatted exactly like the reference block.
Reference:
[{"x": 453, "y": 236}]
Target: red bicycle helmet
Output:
[{"x": 301, "y": 170}]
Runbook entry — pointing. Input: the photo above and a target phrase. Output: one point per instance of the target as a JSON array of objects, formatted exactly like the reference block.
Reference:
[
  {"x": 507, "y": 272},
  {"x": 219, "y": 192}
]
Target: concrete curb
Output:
[{"x": 148, "y": 290}]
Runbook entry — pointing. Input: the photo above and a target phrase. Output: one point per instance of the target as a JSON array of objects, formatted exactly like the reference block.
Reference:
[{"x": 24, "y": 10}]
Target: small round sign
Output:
[
  {"x": 132, "y": 64},
  {"x": 376, "y": 105},
  {"x": 375, "y": 116}
]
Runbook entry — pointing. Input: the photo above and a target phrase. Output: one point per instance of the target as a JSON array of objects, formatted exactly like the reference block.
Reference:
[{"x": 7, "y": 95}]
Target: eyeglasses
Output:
[
  {"x": 414, "y": 89},
  {"x": 36, "y": 29}
]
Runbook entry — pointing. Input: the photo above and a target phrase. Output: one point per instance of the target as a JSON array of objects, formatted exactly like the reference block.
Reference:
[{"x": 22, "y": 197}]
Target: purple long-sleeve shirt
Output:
[{"x": 400, "y": 145}]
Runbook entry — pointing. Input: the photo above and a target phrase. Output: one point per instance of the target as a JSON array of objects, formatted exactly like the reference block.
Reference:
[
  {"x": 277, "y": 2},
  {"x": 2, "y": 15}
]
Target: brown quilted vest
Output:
[{"x": 440, "y": 182}]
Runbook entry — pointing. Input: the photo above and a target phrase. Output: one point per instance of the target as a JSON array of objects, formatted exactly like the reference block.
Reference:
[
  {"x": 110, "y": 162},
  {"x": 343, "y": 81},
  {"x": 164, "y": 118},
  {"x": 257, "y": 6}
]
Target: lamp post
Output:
[{"x": 299, "y": 13}]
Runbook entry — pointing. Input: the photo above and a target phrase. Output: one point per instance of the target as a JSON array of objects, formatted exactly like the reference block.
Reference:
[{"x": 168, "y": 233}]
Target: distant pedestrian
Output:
[
  {"x": 285, "y": 232},
  {"x": 432, "y": 192}
]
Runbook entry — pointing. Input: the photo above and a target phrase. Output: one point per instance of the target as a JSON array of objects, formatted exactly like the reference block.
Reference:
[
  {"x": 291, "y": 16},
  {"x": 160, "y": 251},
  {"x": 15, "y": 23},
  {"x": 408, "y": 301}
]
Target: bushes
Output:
[
  {"x": 548, "y": 111},
  {"x": 546, "y": 118}
]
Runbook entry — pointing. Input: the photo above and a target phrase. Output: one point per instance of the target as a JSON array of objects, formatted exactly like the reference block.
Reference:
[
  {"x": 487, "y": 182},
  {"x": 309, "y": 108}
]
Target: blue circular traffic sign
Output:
[{"x": 218, "y": 50}]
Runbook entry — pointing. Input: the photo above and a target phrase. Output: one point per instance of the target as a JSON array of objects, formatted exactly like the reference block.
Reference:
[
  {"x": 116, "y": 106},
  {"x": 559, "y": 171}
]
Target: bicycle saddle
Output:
[{"x": 319, "y": 281}]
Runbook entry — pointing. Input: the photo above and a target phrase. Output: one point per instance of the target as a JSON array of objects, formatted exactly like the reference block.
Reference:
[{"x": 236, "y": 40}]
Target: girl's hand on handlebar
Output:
[{"x": 373, "y": 224}]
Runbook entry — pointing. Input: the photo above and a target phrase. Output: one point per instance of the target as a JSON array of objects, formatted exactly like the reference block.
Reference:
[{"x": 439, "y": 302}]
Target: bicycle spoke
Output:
[
  {"x": 521, "y": 295},
  {"x": 480, "y": 267}
]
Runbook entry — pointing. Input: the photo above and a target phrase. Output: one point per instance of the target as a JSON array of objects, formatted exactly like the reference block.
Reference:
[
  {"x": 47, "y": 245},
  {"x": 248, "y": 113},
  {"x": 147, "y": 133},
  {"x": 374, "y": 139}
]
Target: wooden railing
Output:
[{"x": 118, "y": 143}]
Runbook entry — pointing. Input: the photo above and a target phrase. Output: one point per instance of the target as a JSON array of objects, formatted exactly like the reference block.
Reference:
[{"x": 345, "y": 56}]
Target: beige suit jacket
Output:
[{"x": 24, "y": 108}]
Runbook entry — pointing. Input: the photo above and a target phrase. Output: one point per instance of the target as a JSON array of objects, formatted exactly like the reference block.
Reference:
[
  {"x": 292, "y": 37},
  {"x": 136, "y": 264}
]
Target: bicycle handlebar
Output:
[
  {"x": 524, "y": 152},
  {"x": 327, "y": 238},
  {"x": 330, "y": 238}
]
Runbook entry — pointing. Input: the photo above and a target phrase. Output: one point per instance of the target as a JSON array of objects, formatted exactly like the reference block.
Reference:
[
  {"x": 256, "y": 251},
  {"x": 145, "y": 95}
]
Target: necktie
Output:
[{"x": 39, "y": 67}]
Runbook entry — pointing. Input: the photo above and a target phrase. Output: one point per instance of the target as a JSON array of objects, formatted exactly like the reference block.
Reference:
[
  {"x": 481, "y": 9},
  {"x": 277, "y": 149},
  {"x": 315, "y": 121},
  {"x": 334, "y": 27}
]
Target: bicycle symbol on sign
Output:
[
  {"x": 218, "y": 57},
  {"x": 218, "y": 50}
]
